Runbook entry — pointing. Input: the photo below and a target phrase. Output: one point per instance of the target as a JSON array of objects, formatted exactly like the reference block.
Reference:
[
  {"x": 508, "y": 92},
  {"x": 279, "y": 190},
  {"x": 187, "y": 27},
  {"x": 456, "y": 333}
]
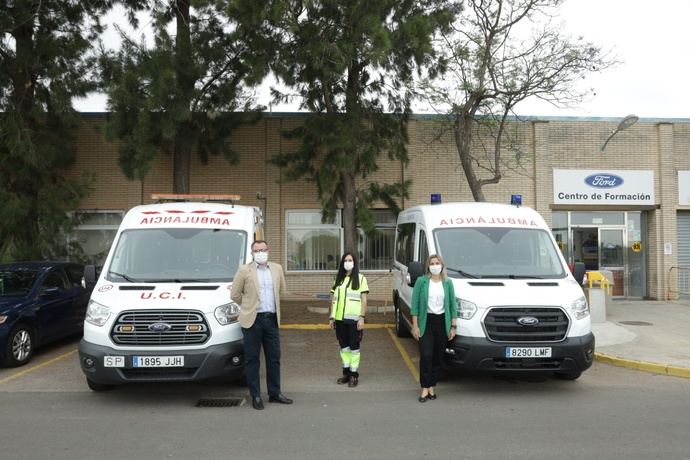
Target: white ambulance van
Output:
[
  {"x": 520, "y": 308},
  {"x": 160, "y": 310}
]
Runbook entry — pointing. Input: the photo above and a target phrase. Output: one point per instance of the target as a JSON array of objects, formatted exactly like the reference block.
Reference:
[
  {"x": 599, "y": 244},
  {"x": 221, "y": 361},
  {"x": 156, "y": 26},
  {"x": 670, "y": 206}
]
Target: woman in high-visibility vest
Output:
[
  {"x": 434, "y": 314},
  {"x": 348, "y": 308}
]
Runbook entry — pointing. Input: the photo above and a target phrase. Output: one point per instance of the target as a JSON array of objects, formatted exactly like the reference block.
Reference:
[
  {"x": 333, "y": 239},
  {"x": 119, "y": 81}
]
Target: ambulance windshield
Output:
[
  {"x": 499, "y": 252},
  {"x": 178, "y": 255}
]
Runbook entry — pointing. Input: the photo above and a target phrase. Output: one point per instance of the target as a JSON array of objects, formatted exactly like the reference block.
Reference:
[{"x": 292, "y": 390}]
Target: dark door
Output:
[{"x": 55, "y": 306}]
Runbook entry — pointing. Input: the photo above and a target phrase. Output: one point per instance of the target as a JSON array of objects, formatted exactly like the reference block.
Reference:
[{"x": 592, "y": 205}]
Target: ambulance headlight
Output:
[
  {"x": 466, "y": 309},
  {"x": 228, "y": 313},
  {"x": 97, "y": 314},
  {"x": 579, "y": 308}
]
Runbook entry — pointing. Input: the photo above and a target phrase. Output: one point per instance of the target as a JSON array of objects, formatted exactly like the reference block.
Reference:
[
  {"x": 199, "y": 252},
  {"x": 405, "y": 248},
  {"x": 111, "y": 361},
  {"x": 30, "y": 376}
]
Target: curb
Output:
[{"x": 666, "y": 369}]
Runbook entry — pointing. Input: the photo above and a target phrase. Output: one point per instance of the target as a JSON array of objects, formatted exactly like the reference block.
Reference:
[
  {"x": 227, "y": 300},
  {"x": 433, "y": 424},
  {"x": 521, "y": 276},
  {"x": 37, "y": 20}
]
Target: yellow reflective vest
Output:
[{"x": 347, "y": 302}]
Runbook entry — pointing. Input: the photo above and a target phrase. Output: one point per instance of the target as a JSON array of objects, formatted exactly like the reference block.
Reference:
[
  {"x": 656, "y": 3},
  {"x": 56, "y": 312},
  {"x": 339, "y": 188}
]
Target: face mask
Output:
[
  {"x": 435, "y": 269},
  {"x": 348, "y": 266},
  {"x": 260, "y": 257}
]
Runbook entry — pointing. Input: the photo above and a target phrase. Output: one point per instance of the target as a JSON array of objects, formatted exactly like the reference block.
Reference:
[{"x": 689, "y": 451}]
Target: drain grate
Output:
[
  {"x": 636, "y": 323},
  {"x": 220, "y": 402}
]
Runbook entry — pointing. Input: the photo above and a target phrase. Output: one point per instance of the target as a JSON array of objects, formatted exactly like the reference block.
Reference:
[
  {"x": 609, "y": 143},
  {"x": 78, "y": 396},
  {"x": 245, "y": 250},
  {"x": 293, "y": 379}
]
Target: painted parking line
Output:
[
  {"x": 38, "y": 366},
  {"x": 405, "y": 356}
]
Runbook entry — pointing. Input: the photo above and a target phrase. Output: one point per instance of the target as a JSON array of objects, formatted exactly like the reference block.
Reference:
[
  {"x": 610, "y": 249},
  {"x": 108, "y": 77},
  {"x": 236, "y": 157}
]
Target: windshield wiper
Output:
[
  {"x": 515, "y": 277},
  {"x": 125, "y": 277},
  {"x": 463, "y": 273},
  {"x": 179, "y": 280}
]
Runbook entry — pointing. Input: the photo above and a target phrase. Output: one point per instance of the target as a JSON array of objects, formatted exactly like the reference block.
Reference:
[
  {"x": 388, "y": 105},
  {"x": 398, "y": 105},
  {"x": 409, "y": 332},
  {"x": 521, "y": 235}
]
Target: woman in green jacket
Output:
[{"x": 434, "y": 314}]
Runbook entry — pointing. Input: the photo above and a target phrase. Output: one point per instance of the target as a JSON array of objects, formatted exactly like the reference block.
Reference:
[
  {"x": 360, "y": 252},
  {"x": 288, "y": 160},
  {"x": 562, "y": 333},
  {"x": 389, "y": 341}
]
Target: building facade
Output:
[{"x": 625, "y": 209}]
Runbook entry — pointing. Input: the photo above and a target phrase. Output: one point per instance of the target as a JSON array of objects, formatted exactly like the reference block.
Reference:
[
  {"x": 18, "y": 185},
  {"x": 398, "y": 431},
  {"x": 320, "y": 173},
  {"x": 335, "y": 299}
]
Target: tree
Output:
[
  {"x": 45, "y": 62},
  {"x": 500, "y": 53},
  {"x": 351, "y": 64},
  {"x": 181, "y": 94}
]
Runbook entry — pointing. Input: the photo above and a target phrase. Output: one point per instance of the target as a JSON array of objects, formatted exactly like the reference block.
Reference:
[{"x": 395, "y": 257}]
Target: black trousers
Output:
[
  {"x": 432, "y": 345},
  {"x": 264, "y": 332},
  {"x": 348, "y": 335}
]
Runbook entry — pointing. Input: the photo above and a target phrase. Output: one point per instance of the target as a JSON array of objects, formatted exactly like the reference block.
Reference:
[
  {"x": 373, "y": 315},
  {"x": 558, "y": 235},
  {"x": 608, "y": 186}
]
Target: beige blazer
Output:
[{"x": 245, "y": 291}]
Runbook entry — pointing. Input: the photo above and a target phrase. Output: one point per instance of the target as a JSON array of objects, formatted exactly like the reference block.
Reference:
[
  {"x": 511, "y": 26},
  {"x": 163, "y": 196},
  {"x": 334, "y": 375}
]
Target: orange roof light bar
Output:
[{"x": 186, "y": 197}]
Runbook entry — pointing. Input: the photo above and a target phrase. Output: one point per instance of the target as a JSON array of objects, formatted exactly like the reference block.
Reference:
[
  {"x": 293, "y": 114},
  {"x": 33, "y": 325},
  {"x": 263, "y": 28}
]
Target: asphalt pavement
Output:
[{"x": 648, "y": 335}]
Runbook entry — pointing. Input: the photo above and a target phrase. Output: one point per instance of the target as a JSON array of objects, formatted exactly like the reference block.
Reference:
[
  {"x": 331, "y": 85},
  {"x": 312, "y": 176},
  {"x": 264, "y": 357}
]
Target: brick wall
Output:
[{"x": 434, "y": 167}]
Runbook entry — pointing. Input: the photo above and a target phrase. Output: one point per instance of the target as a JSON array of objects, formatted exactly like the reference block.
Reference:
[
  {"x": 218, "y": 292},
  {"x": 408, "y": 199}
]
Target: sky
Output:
[{"x": 651, "y": 43}]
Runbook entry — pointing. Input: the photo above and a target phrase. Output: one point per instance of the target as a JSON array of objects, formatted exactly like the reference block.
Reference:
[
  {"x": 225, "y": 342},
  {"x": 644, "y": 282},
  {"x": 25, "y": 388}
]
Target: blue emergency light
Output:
[
  {"x": 516, "y": 200},
  {"x": 435, "y": 198}
]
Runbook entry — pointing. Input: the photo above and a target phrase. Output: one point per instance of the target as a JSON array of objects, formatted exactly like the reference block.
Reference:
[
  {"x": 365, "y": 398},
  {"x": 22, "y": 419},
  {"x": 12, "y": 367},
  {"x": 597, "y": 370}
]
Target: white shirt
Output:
[
  {"x": 267, "y": 299},
  {"x": 436, "y": 296}
]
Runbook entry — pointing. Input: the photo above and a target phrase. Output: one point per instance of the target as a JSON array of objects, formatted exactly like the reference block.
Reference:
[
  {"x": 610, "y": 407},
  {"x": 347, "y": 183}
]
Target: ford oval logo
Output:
[
  {"x": 528, "y": 321},
  {"x": 160, "y": 327},
  {"x": 603, "y": 180}
]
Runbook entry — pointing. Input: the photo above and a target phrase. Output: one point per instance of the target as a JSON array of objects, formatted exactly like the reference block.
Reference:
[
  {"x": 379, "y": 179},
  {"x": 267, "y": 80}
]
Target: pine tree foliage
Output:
[
  {"x": 45, "y": 62},
  {"x": 181, "y": 93},
  {"x": 498, "y": 54},
  {"x": 350, "y": 64}
]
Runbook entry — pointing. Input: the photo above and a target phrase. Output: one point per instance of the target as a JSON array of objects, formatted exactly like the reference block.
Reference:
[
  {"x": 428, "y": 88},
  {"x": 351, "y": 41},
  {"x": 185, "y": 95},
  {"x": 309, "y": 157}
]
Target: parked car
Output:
[{"x": 40, "y": 302}]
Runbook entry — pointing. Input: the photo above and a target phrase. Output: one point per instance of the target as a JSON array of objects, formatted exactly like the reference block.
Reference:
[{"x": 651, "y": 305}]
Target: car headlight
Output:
[
  {"x": 97, "y": 314},
  {"x": 228, "y": 313},
  {"x": 466, "y": 309},
  {"x": 3, "y": 318},
  {"x": 579, "y": 308}
]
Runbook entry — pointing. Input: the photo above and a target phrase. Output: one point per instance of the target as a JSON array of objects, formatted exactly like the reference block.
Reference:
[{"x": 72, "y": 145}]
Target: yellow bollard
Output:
[{"x": 598, "y": 276}]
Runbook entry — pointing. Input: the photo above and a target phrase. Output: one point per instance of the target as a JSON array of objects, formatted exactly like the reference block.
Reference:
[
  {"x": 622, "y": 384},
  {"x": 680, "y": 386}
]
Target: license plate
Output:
[
  {"x": 157, "y": 361},
  {"x": 114, "y": 361},
  {"x": 528, "y": 352}
]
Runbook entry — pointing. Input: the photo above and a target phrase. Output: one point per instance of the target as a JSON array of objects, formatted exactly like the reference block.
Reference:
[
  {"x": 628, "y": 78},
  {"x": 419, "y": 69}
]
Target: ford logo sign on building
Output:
[{"x": 604, "y": 180}]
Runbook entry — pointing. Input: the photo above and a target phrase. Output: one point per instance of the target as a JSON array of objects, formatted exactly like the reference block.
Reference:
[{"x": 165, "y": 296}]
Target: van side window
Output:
[
  {"x": 404, "y": 243},
  {"x": 423, "y": 248}
]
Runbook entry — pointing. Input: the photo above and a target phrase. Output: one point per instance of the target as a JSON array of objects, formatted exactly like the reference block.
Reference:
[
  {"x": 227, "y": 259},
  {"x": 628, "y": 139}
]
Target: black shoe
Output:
[
  {"x": 343, "y": 380},
  {"x": 257, "y": 403},
  {"x": 432, "y": 396},
  {"x": 353, "y": 381},
  {"x": 280, "y": 398},
  {"x": 423, "y": 399}
]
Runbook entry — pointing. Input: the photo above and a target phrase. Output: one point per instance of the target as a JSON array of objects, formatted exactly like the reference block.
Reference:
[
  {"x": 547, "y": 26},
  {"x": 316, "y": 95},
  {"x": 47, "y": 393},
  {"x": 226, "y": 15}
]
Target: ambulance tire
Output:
[{"x": 400, "y": 329}]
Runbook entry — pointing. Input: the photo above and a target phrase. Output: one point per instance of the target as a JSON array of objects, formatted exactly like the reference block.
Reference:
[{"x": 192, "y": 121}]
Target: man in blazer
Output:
[{"x": 257, "y": 288}]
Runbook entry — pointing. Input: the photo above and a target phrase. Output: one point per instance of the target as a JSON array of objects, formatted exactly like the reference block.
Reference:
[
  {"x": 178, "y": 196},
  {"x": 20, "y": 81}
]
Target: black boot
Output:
[
  {"x": 345, "y": 378},
  {"x": 354, "y": 379}
]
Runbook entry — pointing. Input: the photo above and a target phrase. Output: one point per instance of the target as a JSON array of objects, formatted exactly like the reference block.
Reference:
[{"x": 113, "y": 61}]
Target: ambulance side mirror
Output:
[
  {"x": 90, "y": 276},
  {"x": 414, "y": 271},
  {"x": 579, "y": 271}
]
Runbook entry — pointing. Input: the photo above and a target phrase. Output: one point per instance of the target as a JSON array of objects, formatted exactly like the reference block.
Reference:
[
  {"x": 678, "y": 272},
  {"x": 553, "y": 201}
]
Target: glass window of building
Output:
[
  {"x": 312, "y": 244},
  {"x": 93, "y": 235},
  {"x": 376, "y": 249}
]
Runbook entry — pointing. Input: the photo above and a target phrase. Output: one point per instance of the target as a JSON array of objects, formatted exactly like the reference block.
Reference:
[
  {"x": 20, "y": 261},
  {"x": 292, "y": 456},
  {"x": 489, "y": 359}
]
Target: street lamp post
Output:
[{"x": 625, "y": 123}]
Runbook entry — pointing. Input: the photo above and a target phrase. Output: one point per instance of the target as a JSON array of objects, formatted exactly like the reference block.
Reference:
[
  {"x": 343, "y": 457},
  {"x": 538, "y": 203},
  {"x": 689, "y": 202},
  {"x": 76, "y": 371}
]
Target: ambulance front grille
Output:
[
  {"x": 160, "y": 328},
  {"x": 549, "y": 324}
]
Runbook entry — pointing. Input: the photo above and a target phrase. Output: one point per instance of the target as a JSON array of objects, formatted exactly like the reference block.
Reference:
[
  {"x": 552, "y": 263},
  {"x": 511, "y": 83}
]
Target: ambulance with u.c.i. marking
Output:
[{"x": 161, "y": 310}]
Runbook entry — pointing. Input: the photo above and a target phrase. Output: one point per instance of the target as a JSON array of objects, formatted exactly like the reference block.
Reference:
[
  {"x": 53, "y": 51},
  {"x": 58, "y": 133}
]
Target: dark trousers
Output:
[
  {"x": 348, "y": 335},
  {"x": 432, "y": 345},
  {"x": 264, "y": 332}
]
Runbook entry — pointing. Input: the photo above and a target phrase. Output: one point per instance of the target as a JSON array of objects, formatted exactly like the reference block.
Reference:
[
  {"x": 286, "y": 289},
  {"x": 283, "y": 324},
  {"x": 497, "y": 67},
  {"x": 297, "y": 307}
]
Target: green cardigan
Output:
[{"x": 420, "y": 300}]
